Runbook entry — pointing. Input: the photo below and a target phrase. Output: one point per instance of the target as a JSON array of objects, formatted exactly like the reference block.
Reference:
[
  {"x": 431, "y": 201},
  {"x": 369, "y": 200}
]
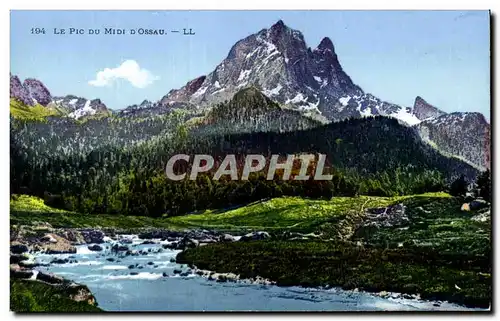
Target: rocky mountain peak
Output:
[
  {"x": 279, "y": 26},
  {"x": 30, "y": 92},
  {"x": 326, "y": 44},
  {"x": 183, "y": 94},
  {"x": 423, "y": 110},
  {"x": 464, "y": 134},
  {"x": 19, "y": 92},
  {"x": 278, "y": 62},
  {"x": 38, "y": 91}
]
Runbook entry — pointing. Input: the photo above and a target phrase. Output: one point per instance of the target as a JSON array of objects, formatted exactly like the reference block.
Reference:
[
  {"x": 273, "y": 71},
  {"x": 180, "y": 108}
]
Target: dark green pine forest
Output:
[{"x": 117, "y": 164}]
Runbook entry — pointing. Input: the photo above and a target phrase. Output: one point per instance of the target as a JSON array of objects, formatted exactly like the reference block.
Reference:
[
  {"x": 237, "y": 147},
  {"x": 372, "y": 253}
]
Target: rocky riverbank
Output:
[
  {"x": 42, "y": 237},
  {"x": 24, "y": 279}
]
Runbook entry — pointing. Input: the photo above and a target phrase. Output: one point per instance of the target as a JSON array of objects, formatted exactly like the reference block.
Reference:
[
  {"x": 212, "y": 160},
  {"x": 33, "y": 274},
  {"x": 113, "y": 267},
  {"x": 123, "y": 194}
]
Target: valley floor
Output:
[{"x": 421, "y": 244}]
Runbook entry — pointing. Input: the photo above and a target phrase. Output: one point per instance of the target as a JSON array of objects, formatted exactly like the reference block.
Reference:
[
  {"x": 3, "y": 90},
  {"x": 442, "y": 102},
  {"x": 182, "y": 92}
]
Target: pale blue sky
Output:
[{"x": 442, "y": 56}]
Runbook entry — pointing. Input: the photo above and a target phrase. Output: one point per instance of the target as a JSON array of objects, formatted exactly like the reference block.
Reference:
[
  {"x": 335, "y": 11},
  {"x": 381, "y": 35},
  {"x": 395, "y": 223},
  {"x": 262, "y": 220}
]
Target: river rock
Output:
[
  {"x": 165, "y": 274},
  {"x": 134, "y": 273},
  {"x": 171, "y": 246},
  {"x": 176, "y": 271},
  {"x": 74, "y": 236},
  {"x": 18, "y": 248},
  {"x": 50, "y": 278},
  {"x": 254, "y": 236},
  {"x": 20, "y": 273},
  {"x": 60, "y": 246},
  {"x": 49, "y": 238},
  {"x": 92, "y": 236},
  {"x": 118, "y": 248},
  {"x": 17, "y": 258},
  {"x": 30, "y": 265},
  {"x": 227, "y": 238},
  {"x": 477, "y": 204},
  {"x": 95, "y": 248},
  {"x": 80, "y": 293},
  {"x": 383, "y": 293},
  {"x": 59, "y": 261},
  {"x": 126, "y": 240},
  {"x": 187, "y": 243}
]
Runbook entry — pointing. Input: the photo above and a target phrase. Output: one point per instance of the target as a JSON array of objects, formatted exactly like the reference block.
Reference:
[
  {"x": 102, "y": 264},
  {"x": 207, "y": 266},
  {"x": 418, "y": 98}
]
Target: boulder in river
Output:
[
  {"x": 50, "y": 238},
  {"x": 126, "y": 240},
  {"x": 80, "y": 293},
  {"x": 226, "y": 238},
  {"x": 92, "y": 236},
  {"x": 176, "y": 271},
  {"x": 95, "y": 248},
  {"x": 171, "y": 246},
  {"x": 134, "y": 273},
  {"x": 477, "y": 204},
  {"x": 110, "y": 259},
  {"x": 131, "y": 266},
  {"x": 18, "y": 248},
  {"x": 118, "y": 248},
  {"x": 50, "y": 278},
  {"x": 187, "y": 243},
  {"x": 59, "y": 261},
  {"x": 19, "y": 273},
  {"x": 61, "y": 245},
  {"x": 16, "y": 258},
  {"x": 254, "y": 236},
  {"x": 71, "y": 249},
  {"x": 165, "y": 274},
  {"x": 74, "y": 236},
  {"x": 30, "y": 265}
]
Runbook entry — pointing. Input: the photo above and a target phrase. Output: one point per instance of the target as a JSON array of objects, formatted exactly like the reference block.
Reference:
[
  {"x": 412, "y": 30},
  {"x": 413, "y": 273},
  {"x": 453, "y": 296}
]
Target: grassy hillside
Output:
[
  {"x": 24, "y": 210},
  {"x": 291, "y": 212},
  {"x": 283, "y": 213},
  {"x": 438, "y": 224},
  {"x": 38, "y": 112},
  {"x": 31, "y": 296}
]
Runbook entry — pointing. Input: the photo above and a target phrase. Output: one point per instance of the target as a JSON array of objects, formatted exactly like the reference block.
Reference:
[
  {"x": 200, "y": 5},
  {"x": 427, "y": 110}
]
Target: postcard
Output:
[{"x": 313, "y": 161}]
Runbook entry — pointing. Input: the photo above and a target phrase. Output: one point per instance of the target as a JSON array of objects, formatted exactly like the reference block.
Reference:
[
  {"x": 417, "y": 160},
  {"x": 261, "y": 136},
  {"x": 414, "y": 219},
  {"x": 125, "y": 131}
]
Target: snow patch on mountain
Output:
[
  {"x": 406, "y": 116},
  {"x": 344, "y": 100},
  {"x": 299, "y": 98},
  {"x": 273, "y": 92},
  {"x": 86, "y": 110},
  {"x": 244, "y": 74}
]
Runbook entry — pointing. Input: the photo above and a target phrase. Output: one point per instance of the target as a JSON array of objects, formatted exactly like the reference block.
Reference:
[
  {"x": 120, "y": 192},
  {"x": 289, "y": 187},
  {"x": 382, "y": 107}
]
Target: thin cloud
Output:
[{"x": 129, "y": 70}]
